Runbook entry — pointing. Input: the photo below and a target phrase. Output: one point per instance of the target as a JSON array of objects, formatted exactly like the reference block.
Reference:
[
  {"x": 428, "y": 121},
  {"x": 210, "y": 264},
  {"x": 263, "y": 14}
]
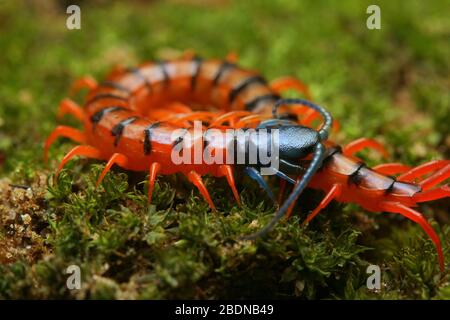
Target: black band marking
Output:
[
  {"x": 250, "y": 106},
  {"x": 179, "y": 140},
  {"x": 198, "y": 64},
  {"x": 101, "y": 96},
  {"x": 223, "y": 67},
  {"x": 117, "y": 131},
  {"x": 244, "y": 84},
  {"x": 391, "y": 186},
  {"x": 166, "y": 77},
  {"x": 205, "y": 139},
  {"x": 96, "y": 117},
  {"x": 148, "y": 137},
  {"x": 355, "y": 177},
  {"x": 114, "y": 85},
  {"x": 329, "y": 154},
  {"x": 137, "y": 73}
]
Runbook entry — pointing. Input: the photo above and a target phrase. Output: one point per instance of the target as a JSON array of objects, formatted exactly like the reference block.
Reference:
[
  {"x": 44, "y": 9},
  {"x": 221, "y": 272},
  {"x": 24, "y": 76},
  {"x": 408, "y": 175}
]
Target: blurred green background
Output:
[{"x": 390, "y": 84}]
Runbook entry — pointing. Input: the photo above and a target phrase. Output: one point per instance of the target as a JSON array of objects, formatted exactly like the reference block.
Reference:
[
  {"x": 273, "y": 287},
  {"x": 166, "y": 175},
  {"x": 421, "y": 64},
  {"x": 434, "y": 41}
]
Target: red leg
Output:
[
  {"x": 395, "y": 207},
  {"x": 391, "y": 168},
  {"x": 86, "y": 151},
  {"x": 307, "y": 116},
  {"x": 436, "y": 178},
  {"x": 227, "y": 171},
  {"x": 282, "y": 189},
  {"x": 286, "y": 83},
  {"x": 434, "y": 194},
  {"x": 291, "y": 207},
  {"x": 179, "y": 107},
  {"x": 116, "y": 158},
  {"x": 229, "y": 116},
  {"x": 154, "y": 169},
  {"x": 196, "y": 179},
  {"x": 334, "y": 192},
  {"x": 423, "y": 169},
  {"x": 232, "y": 57},
  {"x": 63, "y": 131},
  {"x": 68, "y": 106},
  {"x": 84, "y": 82},
  {"x": 357, "y": 145}
]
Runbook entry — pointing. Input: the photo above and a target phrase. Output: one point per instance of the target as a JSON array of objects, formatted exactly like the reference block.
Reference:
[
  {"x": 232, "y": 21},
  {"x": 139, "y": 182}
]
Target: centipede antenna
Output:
[
  {"x": 328, "y": 119},
  {"x": 298, "y": 189}
]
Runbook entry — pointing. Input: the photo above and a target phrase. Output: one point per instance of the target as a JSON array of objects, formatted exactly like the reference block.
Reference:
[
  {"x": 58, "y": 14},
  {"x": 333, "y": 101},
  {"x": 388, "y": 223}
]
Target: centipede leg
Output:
[
  {"x": 291, "y": 207},
  {"x": 68, "y": 106},
  {"x": 391, "y": 168},
  {"x": 86, "y": 151},
  {"x": 286, "y": 83},
  {"x": 227, "y": 171},
  {"x": 334, "y": 192},
  {"x": 63, "y": 131},
  {"x": 232, "y": 57},
  {"x": 423, "y": 169},
  {"x": 86, "y": 82},
  {"x": 436, "y": 178},
  {"x": 154, "y": 169},
  {"x": 307, "y": 116},
  {"x": 255, "y": 175},
  {"x": 434, "y": 194},
  {"x": 196, "y": 179},
  {"x": 282, "y": 190},
  {"x": 357, "y": 145},
  {"x": 116, "y": 158},
  {"x": 417, "y": 217}
]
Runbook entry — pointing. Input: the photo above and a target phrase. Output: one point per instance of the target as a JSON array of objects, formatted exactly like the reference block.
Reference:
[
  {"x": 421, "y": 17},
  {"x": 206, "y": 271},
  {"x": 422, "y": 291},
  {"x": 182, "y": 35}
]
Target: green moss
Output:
[{"x": 389, "y": 84}]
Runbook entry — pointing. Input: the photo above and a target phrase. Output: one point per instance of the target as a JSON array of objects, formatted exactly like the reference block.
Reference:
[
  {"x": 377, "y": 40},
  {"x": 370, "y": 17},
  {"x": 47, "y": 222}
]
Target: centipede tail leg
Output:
[
  {"x": 154, "y": 169},
  {"x": 68, "y": 106},
  {"x": 196, "y": 179},
  {"x": 334, "y": 192},
  {"x": 86, "y": 151},
  {"x": 357, "y": 145},
  {"x": 116, "y": 158},
  {"x": 395, "y": 207},
  {"x": 423, "y": 169},
  {"x": 436, "y": 178},
  {"x": 434, "y": 194},
  {"x": 255, "y": 175},
  {"x": 86, "y": 82},
  {"x": 227, "y": 172},
  {"x": 63, "y": 131},
  {"x": 391, "y": 168}
]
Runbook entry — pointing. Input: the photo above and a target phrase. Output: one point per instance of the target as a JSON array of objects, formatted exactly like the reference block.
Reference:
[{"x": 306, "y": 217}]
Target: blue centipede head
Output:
[{"x": 295, "y": 141}]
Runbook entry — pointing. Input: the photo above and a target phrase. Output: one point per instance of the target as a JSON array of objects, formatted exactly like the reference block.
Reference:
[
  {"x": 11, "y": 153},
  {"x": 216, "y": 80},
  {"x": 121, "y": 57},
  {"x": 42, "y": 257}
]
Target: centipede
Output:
[{"x": 129, "y": 119}]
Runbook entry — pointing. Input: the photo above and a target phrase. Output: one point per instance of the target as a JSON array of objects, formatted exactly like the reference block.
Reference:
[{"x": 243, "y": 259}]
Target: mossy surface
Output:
[{"x": 389, "y": 84}]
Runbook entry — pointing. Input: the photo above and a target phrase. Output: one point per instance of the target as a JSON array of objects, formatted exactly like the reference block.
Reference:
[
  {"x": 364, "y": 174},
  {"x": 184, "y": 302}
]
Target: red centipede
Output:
[{"x": 129, "y": 120}]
